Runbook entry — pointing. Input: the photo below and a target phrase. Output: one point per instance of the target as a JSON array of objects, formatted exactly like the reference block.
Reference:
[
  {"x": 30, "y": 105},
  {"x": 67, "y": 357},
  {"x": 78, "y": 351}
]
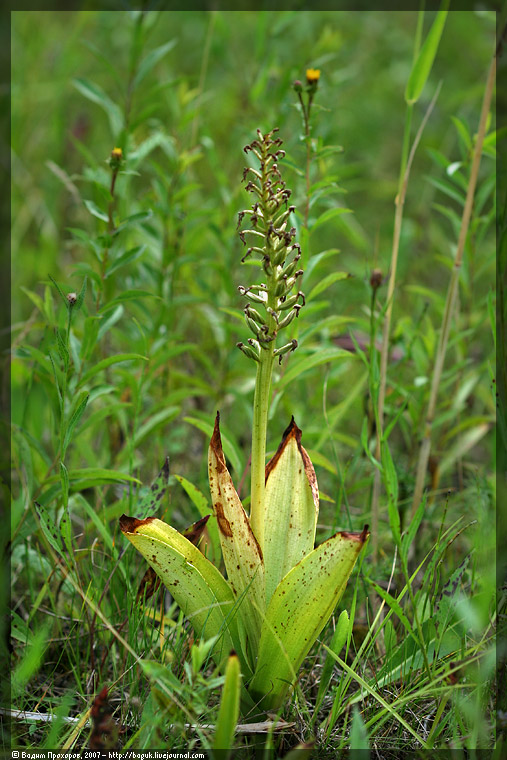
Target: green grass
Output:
[{"x": 105, "y": 390}]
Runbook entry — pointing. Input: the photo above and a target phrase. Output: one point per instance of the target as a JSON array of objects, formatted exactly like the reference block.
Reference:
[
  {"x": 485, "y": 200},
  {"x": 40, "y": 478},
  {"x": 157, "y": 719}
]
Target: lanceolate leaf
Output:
[
  {"x": 152, "y": 499},
  {"x": 241, "y": 552},
  {"x": 298, "y": 611},
  {"x": 229, "y": 707},
  {"x": 197, "y": 586},
  {"x": 424, "y": 61},
  {"x": 291, "y": 508}
]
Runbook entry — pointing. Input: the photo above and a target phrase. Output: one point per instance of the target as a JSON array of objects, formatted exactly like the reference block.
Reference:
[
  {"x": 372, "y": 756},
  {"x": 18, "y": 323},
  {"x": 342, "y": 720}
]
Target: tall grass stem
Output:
[
  {"x": 452, "y": 290},
  {"x": 398, "y": 218}
]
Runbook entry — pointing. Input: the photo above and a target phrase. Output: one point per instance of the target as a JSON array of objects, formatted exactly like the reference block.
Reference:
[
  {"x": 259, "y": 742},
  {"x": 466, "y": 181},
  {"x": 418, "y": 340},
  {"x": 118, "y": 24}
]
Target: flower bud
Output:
[
  {"x": 116, "y": 159},
  {"x": 250, "y": 352},
  {"x": 298, "y": 86},
  {"x": 285, "y": 349},
  {"x": 254, "y": 314},
  {"x": 72, "y": 298},
  {"x": 376, "y": 279}
]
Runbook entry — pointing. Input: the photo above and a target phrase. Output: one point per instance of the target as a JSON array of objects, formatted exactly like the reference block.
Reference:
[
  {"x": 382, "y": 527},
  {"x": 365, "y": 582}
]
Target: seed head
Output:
[{"x": 71, "y": 298}]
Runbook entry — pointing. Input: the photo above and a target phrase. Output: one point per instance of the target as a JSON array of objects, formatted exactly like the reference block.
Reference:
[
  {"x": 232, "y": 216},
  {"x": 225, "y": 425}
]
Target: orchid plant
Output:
[{"x": 280, "y": 591}]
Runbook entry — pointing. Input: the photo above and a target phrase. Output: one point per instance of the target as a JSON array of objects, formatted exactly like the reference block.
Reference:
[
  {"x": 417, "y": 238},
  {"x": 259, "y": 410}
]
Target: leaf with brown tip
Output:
[
  {"x": 241, "y": 552},
  {"x": 198, "y": 587},
  {"x": 291, "y": 508},
  {"x": 298, "y": 611}
]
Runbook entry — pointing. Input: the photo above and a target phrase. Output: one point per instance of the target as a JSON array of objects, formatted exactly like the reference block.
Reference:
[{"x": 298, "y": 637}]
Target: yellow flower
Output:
[
  {"x": 312, "y": 75},
  {"x": 117, "y": 153}
]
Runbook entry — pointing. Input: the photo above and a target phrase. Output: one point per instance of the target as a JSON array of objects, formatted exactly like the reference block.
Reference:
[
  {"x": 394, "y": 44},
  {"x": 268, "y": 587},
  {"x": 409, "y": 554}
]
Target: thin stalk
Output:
[
  {"x": 270, "y": 222},
  {"x": 384, "y": 351},
  {"x": 305, "y": 109},
  {"x": 259, "y": 432},
  {"x": 406, "y": 162},
  {"x": 306, "y": 118},
  {"x": 452, "y": 291},
  {"x": 202, "y": 75},
  {"x": 262, "y": 399}
]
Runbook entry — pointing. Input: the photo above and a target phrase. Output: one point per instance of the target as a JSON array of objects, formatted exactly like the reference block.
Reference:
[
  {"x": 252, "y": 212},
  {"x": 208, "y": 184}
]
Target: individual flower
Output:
[{"x": 312, "y": 76}]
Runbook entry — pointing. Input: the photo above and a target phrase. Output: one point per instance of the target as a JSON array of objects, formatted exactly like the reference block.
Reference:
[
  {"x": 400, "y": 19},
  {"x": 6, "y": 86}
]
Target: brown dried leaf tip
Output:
[
  {"x": 356, "y": 536},
  {"x": 150, "y": 583},
  {"x": 104, "y": 733},
  {"x": 216, "y": 445},
  {"x": 293, "y": 432},
  {"x": 195, "y": 531},
  {"x": 131, "y": 524}
]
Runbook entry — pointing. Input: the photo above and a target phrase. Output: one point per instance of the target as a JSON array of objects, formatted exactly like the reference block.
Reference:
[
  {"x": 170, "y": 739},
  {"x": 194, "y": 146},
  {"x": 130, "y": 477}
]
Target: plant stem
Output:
[
  {"x": 398, "y": 218},
  {"x": 262, "y": 400},
  {"x": 272, "y": 224},
  {"x": 452, "y": 291},
  {"x": 260, "y": 422}
]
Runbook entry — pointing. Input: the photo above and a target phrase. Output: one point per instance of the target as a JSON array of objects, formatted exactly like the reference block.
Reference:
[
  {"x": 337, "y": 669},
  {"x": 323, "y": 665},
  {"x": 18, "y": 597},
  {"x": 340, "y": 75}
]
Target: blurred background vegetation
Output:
[
  {"x": 223, "y": 76},
  {"x": 182, "y": 93}
]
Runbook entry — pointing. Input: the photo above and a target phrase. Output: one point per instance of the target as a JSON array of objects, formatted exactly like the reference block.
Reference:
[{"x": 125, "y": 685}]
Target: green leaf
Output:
[
  {"x": 128, "y": 295},
  {"x": 317, "y": 258},
  {"x": 391, "y": 486},
  {"x": 56, "y": 379},
  {"x": 463, "y": 133},
  {"x": 64, "y": 479},
  {"x": 134, "y": 219},
  {"x": 448, "y": 189},
  {"x": 465, "y": 442},
  {"x": 291, "y": 508},
  {"x": 37, "y": 300},
  {"x": 160, "y": 418},
  {"x": 153, "y": 57},
  {"x": 49, "y": 528},
  {"x": 62, "y": 348},
  {"x": 97, "y": 95},
  {"x": 106, "y": 324},
  {"x": 337, "y": 643},
  {"x": 31, "y": 661},
  {"x": 204, "y": 508},
  {"x": 240, "y": 550},
  {"x": 424, "y": 61},
  {"x": 331, "y": 213},
  {"x": 62, "y": 294},
  {"x": 449, "y": 597},
  {"x": 126, "y": 258},
  {"x": 96, "y": 211},
  {"x": 202, "y": 593},
  {"x": 304, "y": 363},
  {"x": 298, "y": 611},
  {"x": 330, "y": 279},
  {"x": 413, "y": 527},
  {"x": 75, "y": 417},
  {"x": 358, "y": 734},
  {"x": 151, "y": 500},
  {"x": 102, "y": 529},
  {"x": 96, "y": 475},
  {"x": 229, "y": 707},
  {"x": 116, "y": 359},
  {"x": 396, "y": 607},
  {"x": 81, "y": 296}
]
